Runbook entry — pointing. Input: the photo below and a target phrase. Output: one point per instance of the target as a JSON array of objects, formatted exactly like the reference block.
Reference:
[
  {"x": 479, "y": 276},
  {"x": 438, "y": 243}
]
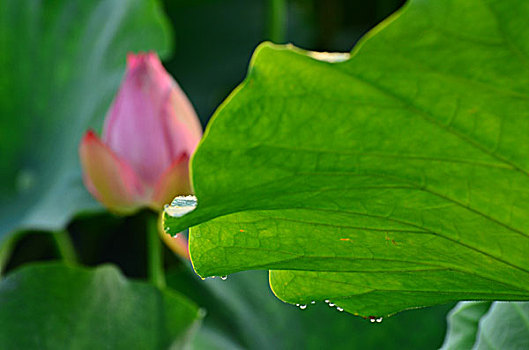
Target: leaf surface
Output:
[
  {"x": 52, "y": 306},
  {"x": 395, "y": 179}
]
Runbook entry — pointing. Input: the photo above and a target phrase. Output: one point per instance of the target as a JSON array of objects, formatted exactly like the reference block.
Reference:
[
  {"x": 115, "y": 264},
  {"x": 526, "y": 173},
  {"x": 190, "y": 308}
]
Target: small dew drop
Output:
[
  {"x": 313, "y": 302},
  {"x": 327, "y": 301},
  {"x": 297, "y": 304},
  {"x": 331, "y": 304},
  {"x": 303, "y": 307},
  {"x": 372, "y": 320},
  {"x": 213, "y": 277},
  {"x": 379, "y": 319},
  {"x": 224, "y": 278},
  {"x": 339, "y": 309}
]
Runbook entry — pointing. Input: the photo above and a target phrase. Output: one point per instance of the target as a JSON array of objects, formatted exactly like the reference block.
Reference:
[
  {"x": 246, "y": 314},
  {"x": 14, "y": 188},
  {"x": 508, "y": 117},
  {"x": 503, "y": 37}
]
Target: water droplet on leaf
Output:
[
  {"x": 303, "y": 307},
  {"x": 181, "y": 205},
  {"x": 224, "y": 278}
]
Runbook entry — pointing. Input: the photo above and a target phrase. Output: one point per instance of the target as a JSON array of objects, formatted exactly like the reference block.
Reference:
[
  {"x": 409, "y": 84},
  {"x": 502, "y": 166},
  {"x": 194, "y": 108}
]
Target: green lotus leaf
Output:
[{"x": 395, "y": 179}]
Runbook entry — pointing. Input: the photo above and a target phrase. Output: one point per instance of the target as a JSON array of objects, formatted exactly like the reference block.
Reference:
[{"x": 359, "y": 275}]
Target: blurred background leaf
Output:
[
  {"x": 463, "y": 323},
  {"x": 486, "y": 325},
  {"x": 505, "y": 326},
  {"x": 53, "y": 306},
  {"x": 60, "y": 65}
]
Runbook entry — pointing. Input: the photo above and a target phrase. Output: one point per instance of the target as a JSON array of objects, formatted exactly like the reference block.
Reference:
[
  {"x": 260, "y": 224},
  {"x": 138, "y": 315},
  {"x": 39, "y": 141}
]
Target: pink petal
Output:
[
  {"x": 182, "y": 122},
  {"x": 174, "y": 182},
  {"x": 151, "y": 121},
  {"x": 177, "y": 244},
  {"x": 108, "y": 178}
]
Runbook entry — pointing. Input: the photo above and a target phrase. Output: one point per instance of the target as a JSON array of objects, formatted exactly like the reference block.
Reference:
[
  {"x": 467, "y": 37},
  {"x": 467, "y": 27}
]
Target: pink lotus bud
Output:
[{"x": 150, "y": 132}]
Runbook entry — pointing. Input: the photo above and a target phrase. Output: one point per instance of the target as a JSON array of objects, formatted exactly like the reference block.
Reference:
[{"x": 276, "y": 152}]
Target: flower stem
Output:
[
  {"x": 65, "y": 246},
  {"x": 155, "y": 253},
  {"x": 277, "y": 18},
  {"x": 5, "y": 252}
]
